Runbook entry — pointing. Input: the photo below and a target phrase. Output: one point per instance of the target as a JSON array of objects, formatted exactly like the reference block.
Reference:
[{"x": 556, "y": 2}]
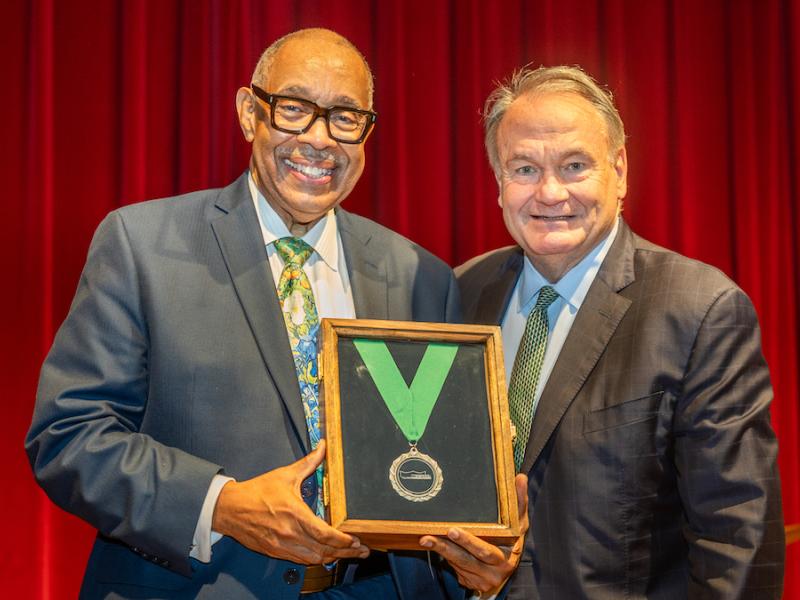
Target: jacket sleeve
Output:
[
  {"x": 725, "y": 454},
  {"x": 84, "y": 443}
]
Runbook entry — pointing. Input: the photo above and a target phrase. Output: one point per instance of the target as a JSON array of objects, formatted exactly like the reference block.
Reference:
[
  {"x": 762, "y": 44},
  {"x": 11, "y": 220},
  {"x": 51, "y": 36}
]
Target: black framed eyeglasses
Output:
[{"x": 297, "y": 115}]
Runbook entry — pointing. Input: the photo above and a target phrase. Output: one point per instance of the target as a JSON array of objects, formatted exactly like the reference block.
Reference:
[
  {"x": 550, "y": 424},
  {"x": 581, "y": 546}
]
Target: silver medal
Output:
[{"x": 416, "y": 476}]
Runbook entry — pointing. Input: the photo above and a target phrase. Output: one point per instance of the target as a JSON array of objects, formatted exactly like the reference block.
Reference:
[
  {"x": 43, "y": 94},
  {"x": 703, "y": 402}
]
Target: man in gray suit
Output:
[
  {"x": 638, "y": 389},
  {"x": 169, "y": 412}
]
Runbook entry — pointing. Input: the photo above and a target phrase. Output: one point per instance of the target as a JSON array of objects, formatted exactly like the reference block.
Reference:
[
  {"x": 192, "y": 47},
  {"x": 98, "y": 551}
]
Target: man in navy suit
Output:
[
  {"x": 169, "y": 413},
  {"x": 648, "y": 446}
]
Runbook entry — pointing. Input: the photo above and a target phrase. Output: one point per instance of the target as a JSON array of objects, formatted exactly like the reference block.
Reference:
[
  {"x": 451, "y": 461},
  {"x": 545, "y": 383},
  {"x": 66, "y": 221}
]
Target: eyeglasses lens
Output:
[{"x": 295, "y": 115}]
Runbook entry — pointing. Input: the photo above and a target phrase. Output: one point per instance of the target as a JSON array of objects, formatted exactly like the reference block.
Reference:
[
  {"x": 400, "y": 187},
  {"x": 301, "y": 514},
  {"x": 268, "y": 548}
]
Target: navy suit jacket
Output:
[
  {"x": 174, "y": 365},
  {"x": 651, "y": 458}
]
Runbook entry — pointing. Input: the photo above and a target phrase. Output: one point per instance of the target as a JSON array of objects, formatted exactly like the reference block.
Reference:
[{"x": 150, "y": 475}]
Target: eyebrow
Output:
[
  {"x": 521, "y": 156},
  {"x": 303, "y": 92},
  {"x": 575, "y": 151}
]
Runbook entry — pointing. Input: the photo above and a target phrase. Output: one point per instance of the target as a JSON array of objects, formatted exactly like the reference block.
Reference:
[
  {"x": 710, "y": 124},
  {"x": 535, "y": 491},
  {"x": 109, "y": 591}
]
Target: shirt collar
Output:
[
  {"x": 575, "y": 283},
  {"x": 322, "y": 237}
]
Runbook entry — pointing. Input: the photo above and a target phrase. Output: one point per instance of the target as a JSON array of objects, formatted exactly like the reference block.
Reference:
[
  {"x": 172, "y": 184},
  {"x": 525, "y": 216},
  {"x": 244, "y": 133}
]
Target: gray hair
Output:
[
  {"x": 265, "y": 61},
  {"x": 563, "y": 79}
]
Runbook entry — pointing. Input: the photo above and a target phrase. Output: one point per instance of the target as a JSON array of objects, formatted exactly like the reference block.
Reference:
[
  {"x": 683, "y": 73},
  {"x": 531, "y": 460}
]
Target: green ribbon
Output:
[{"x": 411, "y": 407}]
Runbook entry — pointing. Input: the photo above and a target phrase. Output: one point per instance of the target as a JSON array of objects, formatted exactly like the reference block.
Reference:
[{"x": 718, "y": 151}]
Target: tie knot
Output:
[
  {"x": 293, "y": 251},
  {"x": 547, "y": 296}
]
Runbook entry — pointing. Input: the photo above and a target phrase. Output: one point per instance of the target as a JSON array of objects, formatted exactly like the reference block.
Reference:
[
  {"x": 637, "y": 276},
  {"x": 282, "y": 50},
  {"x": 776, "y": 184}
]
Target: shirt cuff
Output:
[{"x": 204, "y": 538}]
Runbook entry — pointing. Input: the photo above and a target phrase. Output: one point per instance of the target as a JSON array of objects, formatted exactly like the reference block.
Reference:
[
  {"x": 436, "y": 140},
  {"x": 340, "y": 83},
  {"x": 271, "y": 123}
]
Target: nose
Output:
[
  {"x": 317, "y": 135},
  {"x": 553, "y": 190}
]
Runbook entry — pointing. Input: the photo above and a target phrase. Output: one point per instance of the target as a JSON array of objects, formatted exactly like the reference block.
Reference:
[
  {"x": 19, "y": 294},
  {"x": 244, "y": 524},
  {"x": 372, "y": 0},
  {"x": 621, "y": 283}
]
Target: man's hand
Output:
[
  {"x": 479, "y": 565},
  {"x": 267, "y": 515}
]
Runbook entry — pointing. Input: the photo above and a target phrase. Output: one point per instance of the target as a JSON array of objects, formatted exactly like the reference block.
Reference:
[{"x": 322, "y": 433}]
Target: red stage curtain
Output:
[{"x": 108, "y": 103}]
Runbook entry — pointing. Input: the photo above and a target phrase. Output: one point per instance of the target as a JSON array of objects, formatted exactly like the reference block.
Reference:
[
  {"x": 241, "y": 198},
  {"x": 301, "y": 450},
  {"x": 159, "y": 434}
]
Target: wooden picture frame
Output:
[{"x": 467, "y": 437}]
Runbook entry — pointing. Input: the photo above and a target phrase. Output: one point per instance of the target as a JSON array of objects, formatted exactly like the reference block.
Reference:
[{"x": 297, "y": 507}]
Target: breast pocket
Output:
[
  {"x": 627, "y": 440},
  {"x": 624, "y": 414}
]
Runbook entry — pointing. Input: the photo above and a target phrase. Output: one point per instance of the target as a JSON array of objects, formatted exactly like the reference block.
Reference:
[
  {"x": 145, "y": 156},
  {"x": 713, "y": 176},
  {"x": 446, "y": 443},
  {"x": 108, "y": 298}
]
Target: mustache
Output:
[{"x": 311, "y": 153}]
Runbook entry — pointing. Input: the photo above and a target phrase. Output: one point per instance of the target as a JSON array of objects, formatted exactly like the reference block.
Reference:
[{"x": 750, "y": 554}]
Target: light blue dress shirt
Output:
[{"x": 572, "y": 289}]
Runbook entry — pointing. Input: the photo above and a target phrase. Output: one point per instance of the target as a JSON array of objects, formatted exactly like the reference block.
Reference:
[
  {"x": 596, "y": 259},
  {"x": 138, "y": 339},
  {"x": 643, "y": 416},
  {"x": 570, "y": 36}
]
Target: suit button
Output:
[
  {"x": 307, "y": 489},
  {"x": 291, "y": 576}
]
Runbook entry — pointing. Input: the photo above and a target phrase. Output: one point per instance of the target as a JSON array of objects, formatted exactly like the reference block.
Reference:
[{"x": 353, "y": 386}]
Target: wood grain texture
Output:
[{"x": 395, "y": 534}]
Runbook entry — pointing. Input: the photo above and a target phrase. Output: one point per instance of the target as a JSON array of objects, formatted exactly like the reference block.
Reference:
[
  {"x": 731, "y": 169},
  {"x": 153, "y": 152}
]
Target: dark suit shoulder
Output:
[
  {"x": 668, "y": 267},
  {"x": 206, "y": 203},
  {"x": 175, "y": 224},
  {"x": 681, "y": 292},
  {"x": 182, "y": 203},
  {"x": 391, "y": 242},
  {"x": 486, "y": 281},
  {"x": 406, "y": 281},
  {"x": 488, "y": 265}
]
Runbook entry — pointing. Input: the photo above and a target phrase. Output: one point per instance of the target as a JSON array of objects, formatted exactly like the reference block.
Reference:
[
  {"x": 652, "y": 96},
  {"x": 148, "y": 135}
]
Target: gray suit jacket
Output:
[
  {"x": 174, "y": 365},
  {"x": 651, "y": 456}
]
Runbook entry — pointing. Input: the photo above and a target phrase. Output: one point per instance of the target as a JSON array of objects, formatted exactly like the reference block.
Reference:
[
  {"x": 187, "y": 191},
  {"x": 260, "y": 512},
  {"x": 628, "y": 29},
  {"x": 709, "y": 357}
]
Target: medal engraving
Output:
[{"x": 416, "y": 476}]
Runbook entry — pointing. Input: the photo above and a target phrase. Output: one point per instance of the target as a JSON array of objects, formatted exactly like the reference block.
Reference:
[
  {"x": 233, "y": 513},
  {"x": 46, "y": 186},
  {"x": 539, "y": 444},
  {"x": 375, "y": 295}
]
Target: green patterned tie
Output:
[
  {"x": 302, "y": 324},
  {"x": 525, "y": 374}
]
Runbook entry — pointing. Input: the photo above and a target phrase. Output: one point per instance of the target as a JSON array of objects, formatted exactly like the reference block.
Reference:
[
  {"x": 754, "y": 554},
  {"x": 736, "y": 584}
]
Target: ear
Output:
[
  {"x": 621, "y": 168},
  {"x": 246, "y": 108},
  {"x": 498, "y": 177}
]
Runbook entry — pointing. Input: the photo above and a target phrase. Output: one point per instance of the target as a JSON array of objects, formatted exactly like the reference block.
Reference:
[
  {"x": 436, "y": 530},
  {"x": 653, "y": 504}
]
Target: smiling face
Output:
[
  {"x": 560, "y": 185},
  {"x": 304, "y": 175}
]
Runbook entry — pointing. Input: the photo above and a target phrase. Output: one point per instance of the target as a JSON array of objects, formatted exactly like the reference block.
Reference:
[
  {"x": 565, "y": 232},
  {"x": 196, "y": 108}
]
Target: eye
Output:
[
  {"x": 292, "y": 109},
  {"x": 575, "y": 167},
  {"x": 346, "y": 119},
  {"x": 525, "y": 170}
]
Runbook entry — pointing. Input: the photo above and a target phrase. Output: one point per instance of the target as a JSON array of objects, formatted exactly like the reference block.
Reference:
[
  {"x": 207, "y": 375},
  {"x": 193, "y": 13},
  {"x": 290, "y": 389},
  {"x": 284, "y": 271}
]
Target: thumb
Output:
[
  {"x": 309, "y": 463},
  {"x": 521, "y": 485}
]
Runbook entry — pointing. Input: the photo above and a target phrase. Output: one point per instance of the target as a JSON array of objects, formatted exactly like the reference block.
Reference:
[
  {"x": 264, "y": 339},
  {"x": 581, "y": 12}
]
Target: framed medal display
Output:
[{"x": 418, "y": 433}]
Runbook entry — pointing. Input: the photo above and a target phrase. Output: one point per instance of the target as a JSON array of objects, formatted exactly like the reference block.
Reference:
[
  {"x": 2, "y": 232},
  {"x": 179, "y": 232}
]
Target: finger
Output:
[
  {"x": 476, "y": 548},
  {"x": 306, "y": 552},
  {"x": 320, "y": 532},
  {"x": 471, "y": 573},
  {"x": 304, "y": 548},
  {"x": 309, "y": 463},
  {"x": 441, "y": 546},
  {"x": 315, "y": 553},
  {"x": 452, "y": 553},
  {"x": 521, "y": 485}
]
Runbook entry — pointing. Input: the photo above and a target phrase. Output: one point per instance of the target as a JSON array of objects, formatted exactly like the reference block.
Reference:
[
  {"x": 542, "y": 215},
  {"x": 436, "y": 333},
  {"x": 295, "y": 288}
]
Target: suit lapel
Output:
[
  {"x": 595, "y": 323},
  {"x": 239, "y": 237},
  {"x": 366, "y": 268}
]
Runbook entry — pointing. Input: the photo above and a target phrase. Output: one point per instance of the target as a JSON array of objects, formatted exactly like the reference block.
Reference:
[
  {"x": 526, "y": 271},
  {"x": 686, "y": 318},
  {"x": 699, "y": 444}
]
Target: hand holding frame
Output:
[
  {"x": 479, "y": 565},
  {"x": 267, "y": 514}
]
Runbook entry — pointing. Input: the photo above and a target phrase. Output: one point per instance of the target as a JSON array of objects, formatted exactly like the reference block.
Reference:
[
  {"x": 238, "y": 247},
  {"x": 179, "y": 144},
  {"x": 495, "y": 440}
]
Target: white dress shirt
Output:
[{"x": 327, "y": 271}]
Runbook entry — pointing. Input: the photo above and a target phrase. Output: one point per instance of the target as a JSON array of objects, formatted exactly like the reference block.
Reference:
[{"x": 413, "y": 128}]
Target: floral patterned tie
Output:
[{"x": 302, "y": 324}]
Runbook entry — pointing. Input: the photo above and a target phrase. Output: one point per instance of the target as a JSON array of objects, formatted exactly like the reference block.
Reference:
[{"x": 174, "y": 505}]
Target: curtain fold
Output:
[{"x": 113, "y": 102}]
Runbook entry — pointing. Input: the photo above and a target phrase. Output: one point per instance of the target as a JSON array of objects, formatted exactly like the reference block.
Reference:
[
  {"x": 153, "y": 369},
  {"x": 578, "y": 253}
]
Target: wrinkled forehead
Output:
[
  {"x": 555, "y": 112},
  {"x": 550, "y": 117}
]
